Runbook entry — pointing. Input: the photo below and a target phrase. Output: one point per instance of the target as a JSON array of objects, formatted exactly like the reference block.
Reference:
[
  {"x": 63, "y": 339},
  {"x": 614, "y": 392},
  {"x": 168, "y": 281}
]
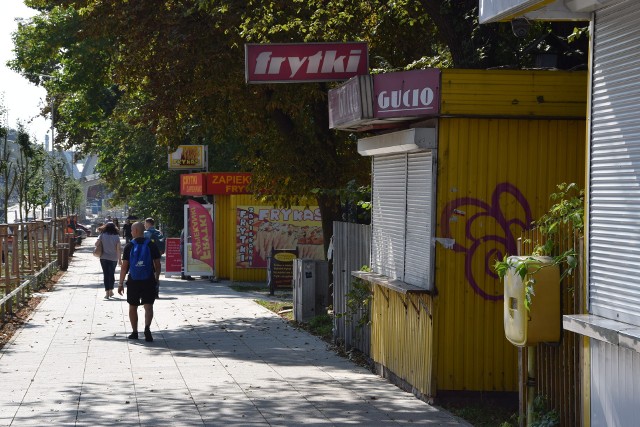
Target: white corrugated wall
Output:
[
  {"x": 614, "y": 175},
  {"x": 614, "y": 209}
]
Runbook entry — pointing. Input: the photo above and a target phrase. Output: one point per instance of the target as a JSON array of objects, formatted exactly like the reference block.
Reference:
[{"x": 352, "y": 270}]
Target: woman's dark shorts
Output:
[{"x": 141, "y": 292}]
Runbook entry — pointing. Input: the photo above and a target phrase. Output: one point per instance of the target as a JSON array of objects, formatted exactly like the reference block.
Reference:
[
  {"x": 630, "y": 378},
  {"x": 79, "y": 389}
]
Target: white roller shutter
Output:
[
  {"x": 401, "y": 220},
  {"x": 388, "y": 215},
  {"x": 614, "y": 174},
  {"x": 419, "y": 217}
]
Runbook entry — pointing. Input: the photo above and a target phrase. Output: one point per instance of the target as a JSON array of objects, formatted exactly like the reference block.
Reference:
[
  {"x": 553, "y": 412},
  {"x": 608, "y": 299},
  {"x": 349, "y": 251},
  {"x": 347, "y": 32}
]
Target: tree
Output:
[
  {"x": 172, "y": 72},
  {"x": 8, "y": 171},
  {"x": 72, "y": 196},
  {"x": 4, "y": 136},
  {"x": 36, "y": 196},
  {"x": 56, "y": 176},
  {"x": 22, "y": 169}
]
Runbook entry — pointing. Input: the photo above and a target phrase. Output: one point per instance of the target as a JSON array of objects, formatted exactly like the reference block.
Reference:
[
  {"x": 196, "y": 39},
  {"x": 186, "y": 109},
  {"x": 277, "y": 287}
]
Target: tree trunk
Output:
[
  {"x": 330, "y": 211},
  {"x": 453, "y": 29}
]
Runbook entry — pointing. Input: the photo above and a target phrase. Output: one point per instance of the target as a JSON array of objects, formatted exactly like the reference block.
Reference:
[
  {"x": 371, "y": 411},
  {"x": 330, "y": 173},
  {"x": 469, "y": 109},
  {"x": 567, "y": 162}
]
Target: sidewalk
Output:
[{"x": 218, "y": 359}]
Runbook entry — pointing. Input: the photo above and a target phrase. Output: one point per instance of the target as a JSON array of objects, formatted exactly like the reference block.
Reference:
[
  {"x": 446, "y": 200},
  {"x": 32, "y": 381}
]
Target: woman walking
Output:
[{"x": 111, "y": 251}]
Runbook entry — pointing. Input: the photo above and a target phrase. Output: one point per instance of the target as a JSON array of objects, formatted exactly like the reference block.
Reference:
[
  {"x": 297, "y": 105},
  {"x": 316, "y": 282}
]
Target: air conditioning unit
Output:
[{"x": 310, "y": 288}]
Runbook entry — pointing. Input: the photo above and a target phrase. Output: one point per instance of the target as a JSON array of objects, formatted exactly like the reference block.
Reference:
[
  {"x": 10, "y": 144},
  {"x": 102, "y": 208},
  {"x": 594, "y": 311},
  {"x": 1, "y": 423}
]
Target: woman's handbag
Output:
[{"x": 97, "y": 252}]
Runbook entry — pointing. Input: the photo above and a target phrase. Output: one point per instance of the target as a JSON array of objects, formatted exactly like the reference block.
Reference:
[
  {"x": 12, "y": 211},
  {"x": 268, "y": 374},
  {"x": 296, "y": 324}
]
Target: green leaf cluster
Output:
[
  {"x": 568, "y": 209},
  {"x": 358, "y": 301}
]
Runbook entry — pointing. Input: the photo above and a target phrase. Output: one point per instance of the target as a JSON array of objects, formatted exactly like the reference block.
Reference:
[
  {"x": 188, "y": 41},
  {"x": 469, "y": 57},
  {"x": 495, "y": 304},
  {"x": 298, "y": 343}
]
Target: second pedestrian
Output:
[{"x": 110, "y": 258}]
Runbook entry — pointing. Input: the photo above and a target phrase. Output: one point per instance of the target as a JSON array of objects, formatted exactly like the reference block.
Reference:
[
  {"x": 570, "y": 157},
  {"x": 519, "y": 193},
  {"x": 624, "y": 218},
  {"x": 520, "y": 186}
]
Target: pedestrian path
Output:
[{"x": 217, "y": 359}]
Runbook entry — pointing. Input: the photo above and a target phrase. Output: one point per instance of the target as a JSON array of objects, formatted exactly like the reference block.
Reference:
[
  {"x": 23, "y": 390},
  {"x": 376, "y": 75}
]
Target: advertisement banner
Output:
[
  {"x": 189, "y": 157},
  {"x": 201, "y": 232},
  {"x": 259, "y": 229},
  {"x": 305, "y": 62},
  {"x": 196, "y": 267},
  {"x": 280, "y": 272},
  {"x": 173, "y": 261},
  {"x": 193, "y": 184}
]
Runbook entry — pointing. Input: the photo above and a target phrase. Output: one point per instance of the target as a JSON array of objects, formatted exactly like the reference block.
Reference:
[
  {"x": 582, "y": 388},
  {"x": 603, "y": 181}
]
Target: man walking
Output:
[
  {"x": 141, "y": 259},
  {"x": 153, "y": 234}
]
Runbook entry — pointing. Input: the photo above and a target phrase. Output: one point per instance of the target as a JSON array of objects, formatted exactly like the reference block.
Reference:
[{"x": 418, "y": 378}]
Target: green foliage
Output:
[
  {"x": 29, "y": 171},
  {"x": 322, "y": 325},
  {"x": 355, "y": 201},
  {"x": 358, "y": 301},
  {"x": 484, "y": 413},
  {"x": 73, "y": 196},
  {"x": 131, "y": 77},
  {"x": 283, "y": 308},
  {"x": 568, "y": 209},
  {"x": 542, "y": 415}
]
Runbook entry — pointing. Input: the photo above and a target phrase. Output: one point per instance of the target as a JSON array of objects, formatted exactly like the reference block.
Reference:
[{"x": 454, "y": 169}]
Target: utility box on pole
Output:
[{"x": 310, "y": 288}]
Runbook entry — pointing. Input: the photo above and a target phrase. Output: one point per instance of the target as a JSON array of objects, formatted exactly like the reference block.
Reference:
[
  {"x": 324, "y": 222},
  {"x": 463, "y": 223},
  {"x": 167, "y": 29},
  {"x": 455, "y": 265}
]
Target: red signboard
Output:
[
  {"x": 350, "y": 103},
  {"x": 407, "y": 93},
  {"x": 173, "y": 261},
  {"x": 192, "y": 184},
  {"x": 305, "y": 62},
  {"x": 220, "y": 183}
]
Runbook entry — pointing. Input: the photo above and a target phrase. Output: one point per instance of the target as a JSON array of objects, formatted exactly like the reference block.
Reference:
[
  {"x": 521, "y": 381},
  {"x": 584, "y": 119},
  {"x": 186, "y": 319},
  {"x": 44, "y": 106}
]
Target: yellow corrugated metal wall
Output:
[
  {"x": 517, "y": 93},
  {"x": 494, "y": 177},
  {"x": 226, "y": 240},
  {"x": 402, "y": 336}
]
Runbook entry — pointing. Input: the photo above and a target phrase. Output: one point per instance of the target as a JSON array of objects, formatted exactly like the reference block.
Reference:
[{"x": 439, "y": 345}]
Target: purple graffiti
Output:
[{"x": 493, "y": 245}]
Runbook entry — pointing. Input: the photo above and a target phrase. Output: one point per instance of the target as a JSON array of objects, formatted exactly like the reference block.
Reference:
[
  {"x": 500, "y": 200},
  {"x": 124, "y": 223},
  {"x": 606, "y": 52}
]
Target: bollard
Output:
[
  {"x": 70, "y": 238},
  {"x": 63, "y": 256}
]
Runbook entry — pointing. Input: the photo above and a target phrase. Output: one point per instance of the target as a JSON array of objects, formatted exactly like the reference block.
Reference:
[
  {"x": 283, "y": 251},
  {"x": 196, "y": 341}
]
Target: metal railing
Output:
[{"x": 31, "y": 252}]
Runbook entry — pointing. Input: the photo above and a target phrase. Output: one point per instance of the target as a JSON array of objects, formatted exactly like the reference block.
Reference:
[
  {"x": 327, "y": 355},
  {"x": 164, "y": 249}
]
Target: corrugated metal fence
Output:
[
  {"x": 351, "y": 243},
  {"x": 558, "y": 371}
]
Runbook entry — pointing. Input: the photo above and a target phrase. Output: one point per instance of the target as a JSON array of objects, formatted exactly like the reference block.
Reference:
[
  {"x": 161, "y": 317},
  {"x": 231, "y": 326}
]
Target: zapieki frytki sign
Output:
[{"x": 305, "y": 62}]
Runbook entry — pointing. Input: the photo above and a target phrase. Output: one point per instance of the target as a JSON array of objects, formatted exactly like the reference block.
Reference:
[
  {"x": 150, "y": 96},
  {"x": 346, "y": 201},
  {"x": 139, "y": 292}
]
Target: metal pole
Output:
[{"x": 531, "y": 383}]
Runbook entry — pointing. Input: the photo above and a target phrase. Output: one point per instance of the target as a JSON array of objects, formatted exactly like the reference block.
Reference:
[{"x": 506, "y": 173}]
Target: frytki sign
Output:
[{"x": 305, "y": 62}]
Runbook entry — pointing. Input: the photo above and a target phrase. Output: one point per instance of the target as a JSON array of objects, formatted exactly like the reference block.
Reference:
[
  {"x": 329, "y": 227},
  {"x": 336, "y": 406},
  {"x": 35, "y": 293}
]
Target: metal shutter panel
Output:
[
  {"x": 419, "y": 219},
  {"x": 388, "y": 215},
  {"x": 614, "y": 174}
]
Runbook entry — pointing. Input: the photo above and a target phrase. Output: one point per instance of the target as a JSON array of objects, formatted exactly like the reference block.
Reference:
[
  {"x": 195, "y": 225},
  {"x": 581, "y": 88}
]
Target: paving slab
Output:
[{"x": 217, "y": 359}]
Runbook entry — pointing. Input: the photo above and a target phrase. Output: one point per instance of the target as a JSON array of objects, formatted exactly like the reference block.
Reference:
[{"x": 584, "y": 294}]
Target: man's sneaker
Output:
[
  {"x": 133, "y": 336},
  {"x": 147, "y": 335}
]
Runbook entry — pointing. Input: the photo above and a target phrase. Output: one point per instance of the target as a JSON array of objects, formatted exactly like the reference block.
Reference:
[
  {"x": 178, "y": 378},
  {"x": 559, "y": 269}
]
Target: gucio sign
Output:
[
  {"x": 366, "y": 101},
  {"x": 408, "y": 93}
]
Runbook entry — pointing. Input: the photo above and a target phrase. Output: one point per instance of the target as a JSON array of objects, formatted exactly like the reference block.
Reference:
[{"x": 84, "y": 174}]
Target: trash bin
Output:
[{"x": 542, "y": 321}]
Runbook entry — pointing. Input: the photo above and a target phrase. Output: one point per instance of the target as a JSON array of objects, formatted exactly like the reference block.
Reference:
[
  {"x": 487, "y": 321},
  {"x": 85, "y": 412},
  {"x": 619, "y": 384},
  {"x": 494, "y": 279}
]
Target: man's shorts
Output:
[{"x": 141, "y": 291}]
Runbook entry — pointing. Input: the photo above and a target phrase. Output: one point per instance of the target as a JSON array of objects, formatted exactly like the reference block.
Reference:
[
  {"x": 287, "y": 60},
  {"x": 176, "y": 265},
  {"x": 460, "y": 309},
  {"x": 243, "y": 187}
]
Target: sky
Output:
[{"x": 22, "y": 99}]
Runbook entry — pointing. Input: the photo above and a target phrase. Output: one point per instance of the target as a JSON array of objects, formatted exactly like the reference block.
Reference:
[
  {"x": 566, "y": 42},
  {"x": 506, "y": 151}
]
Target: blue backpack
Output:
[{"x": 140, "y": 262}]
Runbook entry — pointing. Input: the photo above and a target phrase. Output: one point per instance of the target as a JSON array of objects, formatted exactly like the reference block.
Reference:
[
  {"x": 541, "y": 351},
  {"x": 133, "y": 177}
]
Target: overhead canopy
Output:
[
  {"x": 405, "y": 141},
  {"x": 547, "y": 10}
]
